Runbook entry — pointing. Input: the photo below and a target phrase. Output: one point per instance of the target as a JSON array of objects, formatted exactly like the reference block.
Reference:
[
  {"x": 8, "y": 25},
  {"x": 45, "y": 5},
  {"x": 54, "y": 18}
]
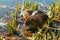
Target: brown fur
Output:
[
  {"x": 32, "y": 23},
  {"x": 37, "y": 20}
]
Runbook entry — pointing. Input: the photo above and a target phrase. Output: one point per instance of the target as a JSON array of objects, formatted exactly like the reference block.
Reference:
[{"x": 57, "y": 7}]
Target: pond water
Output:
[{"x": 8, "y": 5}]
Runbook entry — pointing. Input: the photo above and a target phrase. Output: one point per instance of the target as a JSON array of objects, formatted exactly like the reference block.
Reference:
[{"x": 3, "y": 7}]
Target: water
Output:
[{"x": 8, "y": 4}]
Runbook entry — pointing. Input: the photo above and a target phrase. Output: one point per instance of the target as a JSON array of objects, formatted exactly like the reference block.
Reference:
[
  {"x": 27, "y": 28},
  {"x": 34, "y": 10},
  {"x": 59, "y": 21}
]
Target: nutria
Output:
[
  {"x": 38, "y": 19},
  {"x": 33, "y": 22}
]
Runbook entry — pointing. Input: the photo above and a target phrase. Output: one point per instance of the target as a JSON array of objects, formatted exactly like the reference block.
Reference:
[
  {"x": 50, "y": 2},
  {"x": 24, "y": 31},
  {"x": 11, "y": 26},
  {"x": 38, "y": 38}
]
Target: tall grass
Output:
[{"x": 11, "y": 25}]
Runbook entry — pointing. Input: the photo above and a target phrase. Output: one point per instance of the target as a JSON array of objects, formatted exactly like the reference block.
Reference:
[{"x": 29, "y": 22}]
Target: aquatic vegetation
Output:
[
  {"x": 31, "y": 5},
  {"x": 54, "y": 14},
  {"x": 27, "y": 5},
  {"x": 53, "y": 9},
  {"x": 46, "y": 35},
  {"x": 49, "y": 29},
  {"x": 12, "y": 25}
]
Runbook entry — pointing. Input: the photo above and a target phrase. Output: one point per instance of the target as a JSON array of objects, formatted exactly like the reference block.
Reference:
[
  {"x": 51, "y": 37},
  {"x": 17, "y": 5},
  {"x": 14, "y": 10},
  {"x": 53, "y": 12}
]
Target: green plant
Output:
[
  {"x": 54, "y": 8},
  {"x": 12, "y": 24},
  {"x": 27, "y": 5},
  {"x": 30, "y": 5}
]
